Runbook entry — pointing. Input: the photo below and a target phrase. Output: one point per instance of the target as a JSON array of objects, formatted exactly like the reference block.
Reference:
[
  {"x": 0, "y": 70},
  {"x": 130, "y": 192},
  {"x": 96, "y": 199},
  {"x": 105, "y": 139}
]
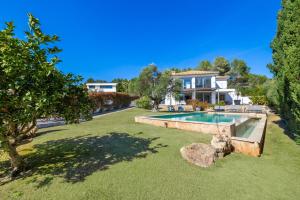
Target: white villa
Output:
[
  {"x": 206, "y": 86},
  {"x": 102, "y": 87}
]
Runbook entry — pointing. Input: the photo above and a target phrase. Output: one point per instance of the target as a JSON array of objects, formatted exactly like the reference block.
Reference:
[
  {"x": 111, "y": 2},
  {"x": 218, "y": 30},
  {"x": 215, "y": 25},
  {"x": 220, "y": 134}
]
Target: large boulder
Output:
[
  {"x": 202, "y": 155},
  {"x": 222, "y": 144}
]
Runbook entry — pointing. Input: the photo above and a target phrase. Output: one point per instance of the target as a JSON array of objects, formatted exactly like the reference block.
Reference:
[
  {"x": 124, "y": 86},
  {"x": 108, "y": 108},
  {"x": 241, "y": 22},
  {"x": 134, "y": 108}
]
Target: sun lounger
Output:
[
  {"x": 255, "y": 109},
  {"x": 219, "y": 108},
  {"x": 234, "y": 108}
]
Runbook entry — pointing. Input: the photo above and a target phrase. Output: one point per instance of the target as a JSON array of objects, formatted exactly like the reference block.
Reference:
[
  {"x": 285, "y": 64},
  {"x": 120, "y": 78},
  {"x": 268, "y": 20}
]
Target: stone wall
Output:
[{"x": 253, "y": 145}]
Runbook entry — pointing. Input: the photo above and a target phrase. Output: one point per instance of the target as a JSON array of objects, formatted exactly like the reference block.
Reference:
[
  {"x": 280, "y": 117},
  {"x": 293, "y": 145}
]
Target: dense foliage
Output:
[
  {"x": 221, "y": 65},
  {"x": 31, "y": 87},
  {"x": 144, "y": 102},
  {"x": 122, "y": 84},
  {"x": 286, "y": 63},
  {"x": 91, "y": 80},
  {"x": 102, "y": 101},
  {"x": 156, "y": 85},
  {"x": 259, "y": 100},
  {"x": 204, "y": 65}
]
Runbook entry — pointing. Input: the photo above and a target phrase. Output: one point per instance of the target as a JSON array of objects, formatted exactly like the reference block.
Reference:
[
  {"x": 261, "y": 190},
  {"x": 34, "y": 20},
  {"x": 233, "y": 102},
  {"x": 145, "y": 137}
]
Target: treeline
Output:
[
  {"x": 241, "y": 79},
  {"x": 286, "y": 64}
]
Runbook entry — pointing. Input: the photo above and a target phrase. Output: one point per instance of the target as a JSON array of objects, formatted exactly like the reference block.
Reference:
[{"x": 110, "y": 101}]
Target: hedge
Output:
[
  {"x": 109, "y": 100},
  {"x": 259, "y": 100}
]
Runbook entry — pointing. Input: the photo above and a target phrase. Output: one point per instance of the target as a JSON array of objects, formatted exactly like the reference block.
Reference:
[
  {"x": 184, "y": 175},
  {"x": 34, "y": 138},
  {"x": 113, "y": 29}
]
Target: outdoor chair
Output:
[
  {"x": 171, "y": 109},
  {"x": 180, "y": 109}
]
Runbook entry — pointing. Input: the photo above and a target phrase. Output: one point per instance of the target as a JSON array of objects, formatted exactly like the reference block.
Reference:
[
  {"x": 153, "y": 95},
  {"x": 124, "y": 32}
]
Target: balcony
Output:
[{"x": 204, "y": 83}]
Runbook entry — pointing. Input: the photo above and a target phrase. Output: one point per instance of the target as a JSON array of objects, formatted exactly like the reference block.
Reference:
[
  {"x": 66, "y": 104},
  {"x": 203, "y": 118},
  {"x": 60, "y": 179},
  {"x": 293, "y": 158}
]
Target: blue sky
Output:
[{"x": 106, "y": 39}]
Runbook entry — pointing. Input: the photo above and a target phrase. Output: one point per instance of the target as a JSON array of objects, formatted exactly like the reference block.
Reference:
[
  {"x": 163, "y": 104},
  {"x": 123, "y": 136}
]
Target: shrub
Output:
[
  {"x": 144, "y": 102},
  {"x": 196, "y": 103},
  {"x": 221, "y": 103},
  {"x": 259, "y": 100}
]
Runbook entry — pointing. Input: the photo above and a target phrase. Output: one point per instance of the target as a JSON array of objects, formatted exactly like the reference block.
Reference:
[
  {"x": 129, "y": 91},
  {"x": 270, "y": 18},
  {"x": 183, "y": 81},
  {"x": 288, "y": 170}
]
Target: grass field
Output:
[{"x": 112, "y": 157}]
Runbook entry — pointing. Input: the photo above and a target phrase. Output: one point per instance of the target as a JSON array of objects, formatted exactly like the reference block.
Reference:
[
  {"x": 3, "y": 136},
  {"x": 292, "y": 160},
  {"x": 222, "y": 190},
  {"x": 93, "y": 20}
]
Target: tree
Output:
[
  {"x": 91, "y": 80},
  {"x": 133, "y": 87},
  {"x": 175, "y": 69},
  {"x": 122, "y": 84},
  {"x": 271, "y": 92},
  {"x": 204, "y": 65},
  {"x": 239, "y": 68},
  {"x": 286, "y": 62},
  {"x": 157, "y": 85},
  {"x": 221, "y": 65},
  {"x": 32, "y": 87}
]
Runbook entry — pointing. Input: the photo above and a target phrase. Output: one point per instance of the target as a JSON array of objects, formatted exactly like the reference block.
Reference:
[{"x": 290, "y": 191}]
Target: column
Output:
[{"x": 213, "y": 97}]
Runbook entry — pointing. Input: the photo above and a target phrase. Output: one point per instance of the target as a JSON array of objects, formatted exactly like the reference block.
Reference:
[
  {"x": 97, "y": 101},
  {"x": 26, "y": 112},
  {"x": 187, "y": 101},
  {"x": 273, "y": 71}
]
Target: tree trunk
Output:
[
  {"x": 155, "y": 107},
  {"x": 16, "y": 161}
]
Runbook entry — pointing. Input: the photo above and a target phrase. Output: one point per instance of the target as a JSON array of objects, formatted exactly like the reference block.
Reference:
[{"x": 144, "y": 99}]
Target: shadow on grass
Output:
[
  {"x": 76, "y": 158},
  {"x": 282, "y": 124},
  {"x": 39, "y": 133}
]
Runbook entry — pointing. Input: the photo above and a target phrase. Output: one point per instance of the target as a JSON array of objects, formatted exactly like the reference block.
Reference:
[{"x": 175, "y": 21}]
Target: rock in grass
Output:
[
  {"x": 199, "y": 154},
  {"x": 222, "y": 144}
]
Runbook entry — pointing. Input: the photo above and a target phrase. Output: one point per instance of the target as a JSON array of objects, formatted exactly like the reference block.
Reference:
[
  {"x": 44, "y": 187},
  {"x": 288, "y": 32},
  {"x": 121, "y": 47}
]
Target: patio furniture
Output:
[
  {"x": 171, "y": 109},
  {"x": 234, "y": 108},
  {"x": 188, "y": 108},
  {"x": 180, "y": 109},
  {"x": 255, "y": 109},
  {"x": 219, "y": 108}
]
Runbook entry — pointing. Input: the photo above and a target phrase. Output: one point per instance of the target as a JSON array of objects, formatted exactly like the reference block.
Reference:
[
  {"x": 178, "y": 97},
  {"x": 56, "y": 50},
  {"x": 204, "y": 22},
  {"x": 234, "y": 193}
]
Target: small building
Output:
[
  {"x": 102, "y": 87},
  {"x": 205, "y": 86}
]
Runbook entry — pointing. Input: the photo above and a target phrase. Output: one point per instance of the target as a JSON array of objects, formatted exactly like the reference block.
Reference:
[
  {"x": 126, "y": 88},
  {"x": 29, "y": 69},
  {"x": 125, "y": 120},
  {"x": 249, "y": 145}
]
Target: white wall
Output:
[
  {"x": 221, "y": 84},
  {"x": 99, "y": 89},
  {"x": 245, "y": 100},
  {"x": 213, "y": 81},
  {"x": 213, "y": 97},
  {"x": 193, "y": 82}
]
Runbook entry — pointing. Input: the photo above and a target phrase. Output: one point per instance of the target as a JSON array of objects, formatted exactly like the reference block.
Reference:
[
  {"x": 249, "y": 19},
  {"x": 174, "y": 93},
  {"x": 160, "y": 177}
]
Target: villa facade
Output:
[
  {"x": 205, "y": 86},
  {"x": 102, "y": 87}
]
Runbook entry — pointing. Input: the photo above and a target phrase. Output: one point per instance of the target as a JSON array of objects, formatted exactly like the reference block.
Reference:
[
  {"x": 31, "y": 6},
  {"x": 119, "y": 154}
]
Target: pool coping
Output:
[
  {"x": 253, "y": 145},
  {"x": 223, "y": 123}
]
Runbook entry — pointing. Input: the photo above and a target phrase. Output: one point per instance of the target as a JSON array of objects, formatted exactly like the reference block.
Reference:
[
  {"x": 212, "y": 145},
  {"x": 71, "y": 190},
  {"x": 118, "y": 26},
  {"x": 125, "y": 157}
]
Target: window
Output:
[
  {"x": 221, "y": 98},
  {"x": 203, "y": 97},
  {"x": 91, "y": 87},
  {"x": 106, "y": 86},
  {"x": 187, "y": 83},
  {"x": 203, "y": 82}
]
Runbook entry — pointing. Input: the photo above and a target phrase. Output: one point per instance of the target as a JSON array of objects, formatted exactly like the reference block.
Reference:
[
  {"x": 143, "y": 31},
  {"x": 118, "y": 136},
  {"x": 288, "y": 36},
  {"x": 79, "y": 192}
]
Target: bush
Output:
[
  {"x": 144, "y": 102},
  {"x": 221, "y": 103},
  {"x": 259, "y": 100},
  {"x": 196, "y": 103},
  {"x": 109, "y": 100}
]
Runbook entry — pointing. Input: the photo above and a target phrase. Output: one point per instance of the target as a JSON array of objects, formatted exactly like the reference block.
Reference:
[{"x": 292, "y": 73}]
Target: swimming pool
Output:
[
  {"x": 202, "y": 117},
  {"x": 247, "y": 130}
]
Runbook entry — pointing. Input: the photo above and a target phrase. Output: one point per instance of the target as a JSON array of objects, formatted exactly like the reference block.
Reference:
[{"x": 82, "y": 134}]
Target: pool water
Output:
[
  {"x": 202, "y": 117},
  {"x": 245, "y": 129}
]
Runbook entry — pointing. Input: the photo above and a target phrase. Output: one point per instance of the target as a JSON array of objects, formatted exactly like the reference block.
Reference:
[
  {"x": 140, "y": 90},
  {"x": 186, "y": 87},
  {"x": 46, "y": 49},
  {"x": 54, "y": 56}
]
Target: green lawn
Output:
[{"x": 112, "y": 157}]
